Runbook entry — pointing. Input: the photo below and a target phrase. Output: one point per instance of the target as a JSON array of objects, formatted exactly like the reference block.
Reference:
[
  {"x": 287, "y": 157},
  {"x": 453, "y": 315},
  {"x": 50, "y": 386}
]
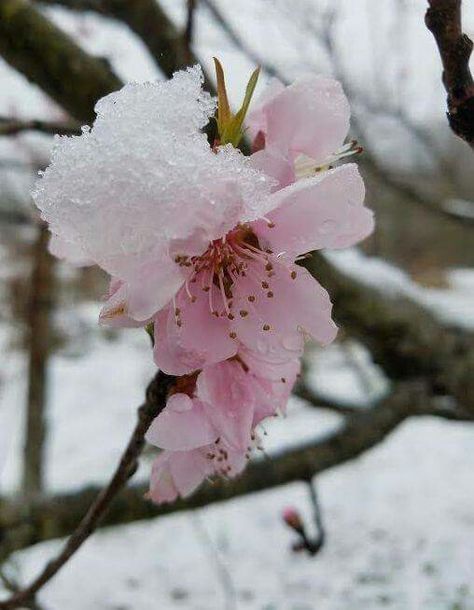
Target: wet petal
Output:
[
  {"x": 272, "y": 325},
  {"x": 322, "y": 212},
  {"x": 228, "y": 400},
  {"x": 182, "y": 425}
]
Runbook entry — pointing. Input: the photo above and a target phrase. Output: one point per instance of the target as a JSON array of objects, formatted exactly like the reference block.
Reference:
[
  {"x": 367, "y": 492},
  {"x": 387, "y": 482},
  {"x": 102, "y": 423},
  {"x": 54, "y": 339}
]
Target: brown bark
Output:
[
  {"x": 48, "y": 57},
  {"x": 57, "y": 516},
  {"x": 443, "y": 19},
  {"x": 39, "y": 343}
]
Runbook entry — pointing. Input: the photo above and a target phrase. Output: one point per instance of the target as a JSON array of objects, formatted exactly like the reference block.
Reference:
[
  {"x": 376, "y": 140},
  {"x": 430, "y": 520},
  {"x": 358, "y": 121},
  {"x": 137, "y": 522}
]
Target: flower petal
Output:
[
  {"x": 310, "y": 116},
  {"x": 199, "y": 338},
  {"x": 271, "y": 326},
  {"x": 228, "y": 400},
  {"x": 189, "y": 469},
  {"x": 274, "y": 164},
  {"x": 322, "y": 212},
  {"x": 182, "y": 425},
  {"x": 162, "y": 487}
]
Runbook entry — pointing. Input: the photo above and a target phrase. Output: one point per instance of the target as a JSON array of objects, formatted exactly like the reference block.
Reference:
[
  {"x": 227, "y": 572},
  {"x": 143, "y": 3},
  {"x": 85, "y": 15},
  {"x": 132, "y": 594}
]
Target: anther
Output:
[
  {"x": 243, "y": 313},
  {"x": 266, "y": 327},
  {"x": 265, "y": 285},
  {"x": 293, "y": 275},
  {"x": 251, "y": 298},
  {"x": 270, "y": 294},
  {"x": 233, "y": 335}
]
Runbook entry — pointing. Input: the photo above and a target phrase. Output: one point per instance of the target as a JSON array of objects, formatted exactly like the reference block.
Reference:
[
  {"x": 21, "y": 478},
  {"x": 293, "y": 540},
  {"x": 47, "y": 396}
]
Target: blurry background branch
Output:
[
  {"x": 443, "y": 19},
  {"x": 56, "y": 516},
  {"x": 42, "y": 292},
  {"x": 48, "y": 57},
  {"x": 13, "y": 126},
  {"x": 167, "y": 45}
]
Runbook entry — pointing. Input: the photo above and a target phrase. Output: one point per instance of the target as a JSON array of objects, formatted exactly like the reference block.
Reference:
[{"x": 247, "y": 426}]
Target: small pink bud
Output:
[{"x": 292, "y": 518}]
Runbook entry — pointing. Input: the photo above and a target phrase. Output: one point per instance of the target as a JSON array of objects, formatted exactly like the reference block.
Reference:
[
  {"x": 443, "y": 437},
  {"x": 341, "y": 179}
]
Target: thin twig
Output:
[
  {"x": 318, "y": 542},
  {"x": 223, "y": 573},
  {"x": 443, "y": 19},
  {"x": 188, "y": 34},
  {"x": 39, "y": 342},
  {"x": 13, "y": 127},
  {"x": 155, "y": 401}
]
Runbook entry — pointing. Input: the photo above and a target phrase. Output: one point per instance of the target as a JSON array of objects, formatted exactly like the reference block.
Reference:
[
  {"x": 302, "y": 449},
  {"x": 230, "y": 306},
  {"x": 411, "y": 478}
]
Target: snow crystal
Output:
[{"x": 144, "y": 174}]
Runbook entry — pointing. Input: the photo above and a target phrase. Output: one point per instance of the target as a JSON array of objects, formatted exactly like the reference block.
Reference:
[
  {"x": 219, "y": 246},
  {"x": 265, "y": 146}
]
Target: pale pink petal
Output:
[
  {"x": 310, "y": 116},
  {"x": 69, "y": 251},
  {"x": 182, "y": 425},
  {"x": 260, "y": 367},
  {"x": 114, "y": 312},
  {"x": 151, "y": 287},
  {"x": 322, "y": 212},
  {"x": 162, "y": 487},
  {"x": 272, "y": 395},
  {"x": 198, "y": 338},
  {"x": 271, "y": 325},
  {"x": 274, "y": 164},
  {"x": 227, "y": 397},
  {"x": 189, "y": 469},
  {"x": 169, "y": 356},
  {"x": 256, "y": 120}
]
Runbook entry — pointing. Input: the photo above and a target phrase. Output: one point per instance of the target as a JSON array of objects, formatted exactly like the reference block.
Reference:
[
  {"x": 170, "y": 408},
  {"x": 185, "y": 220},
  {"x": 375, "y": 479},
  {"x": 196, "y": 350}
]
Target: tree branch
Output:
[
  {"x": 405, "y": 339},
  {"x": 56, "y": 516},
  {"x": 41, "y": 303},
  {"x": 12, "y": 127},
  {"x": 155, "y": 401},
  {"x": 48, "y": 57},
  {"x": 166, "y": 44},
  {"x": 443, "y": 19}
]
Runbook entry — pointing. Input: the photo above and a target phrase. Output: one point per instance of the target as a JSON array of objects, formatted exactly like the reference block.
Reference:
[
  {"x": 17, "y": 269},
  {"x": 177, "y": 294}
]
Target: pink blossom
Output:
[
  {"x": 299, "y": 129},
  {"x": 194, "y": 238},
  {"x": 246, "y": 291},
  {"x": 226, "y": 401},
  {"x": 209, "y": 429},
  {"x": 202, "y": 243}
]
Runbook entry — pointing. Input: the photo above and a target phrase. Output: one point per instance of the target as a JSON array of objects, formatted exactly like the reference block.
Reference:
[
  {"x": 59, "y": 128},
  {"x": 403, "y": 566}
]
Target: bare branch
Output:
[
  {"x": 55, "y": 516},
  {"x": 13, "y": 127},
  {"x": 405, "y": 339},
  {"x": 443, "y": 19},
  {"x": 39, "y": 342},
  {"x": 155, "y": 401},
  {"x": 166, "y": 44},
  {"x": 189, "y": 30},
  {"x": 47, "y": 56}
]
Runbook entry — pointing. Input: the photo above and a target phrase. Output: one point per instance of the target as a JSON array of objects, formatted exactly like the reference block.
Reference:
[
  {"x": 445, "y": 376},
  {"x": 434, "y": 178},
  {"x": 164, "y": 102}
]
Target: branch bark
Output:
[
  {"x": 13, "y": 127},
  {"x": 166, "y": 44},
  {"x": 57, "y": 516},
  {"x": 48, "y": 57},
  {"x": 39, "y": 328},
  {"x": 405, "y": 339},
  {"x": 443, "y": 19}
]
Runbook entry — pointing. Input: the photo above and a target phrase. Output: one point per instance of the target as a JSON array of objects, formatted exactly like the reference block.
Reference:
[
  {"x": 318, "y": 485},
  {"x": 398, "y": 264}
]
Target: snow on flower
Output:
[{"x": 202, "y": 243}]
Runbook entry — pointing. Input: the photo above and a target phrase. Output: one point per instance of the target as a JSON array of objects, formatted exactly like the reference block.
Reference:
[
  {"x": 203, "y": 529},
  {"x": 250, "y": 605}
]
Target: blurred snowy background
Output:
[{"x": 399, "y": 520}]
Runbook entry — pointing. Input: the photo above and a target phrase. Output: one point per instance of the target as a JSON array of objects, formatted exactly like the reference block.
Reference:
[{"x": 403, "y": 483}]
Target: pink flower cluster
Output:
[{"x": 229, "y": 306}]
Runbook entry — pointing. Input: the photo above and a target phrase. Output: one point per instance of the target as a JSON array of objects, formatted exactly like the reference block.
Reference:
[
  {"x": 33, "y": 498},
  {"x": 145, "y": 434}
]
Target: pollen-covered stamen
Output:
[
  {"x": 226, "y": 262},
  {"x": 306, "y": 166}
]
